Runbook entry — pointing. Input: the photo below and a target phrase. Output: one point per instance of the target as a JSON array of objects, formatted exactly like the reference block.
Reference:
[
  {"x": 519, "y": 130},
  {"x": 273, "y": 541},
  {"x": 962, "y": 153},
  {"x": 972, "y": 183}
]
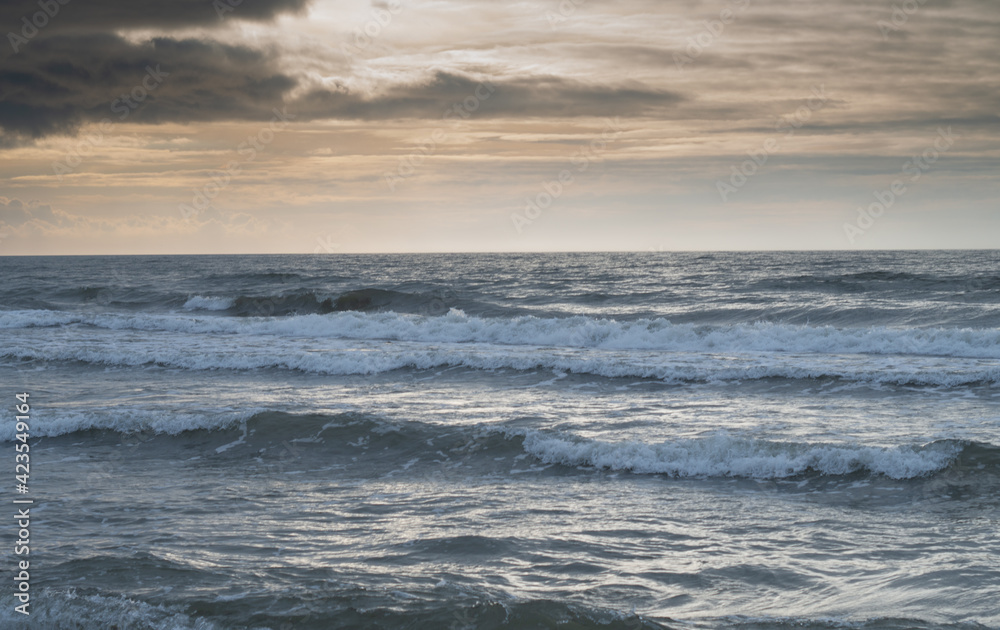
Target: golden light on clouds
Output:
[{"x": 427, "y": 126}]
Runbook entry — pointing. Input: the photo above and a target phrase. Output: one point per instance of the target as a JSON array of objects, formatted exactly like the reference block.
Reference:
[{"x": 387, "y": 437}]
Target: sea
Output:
[{"x": 454, "y": 441}]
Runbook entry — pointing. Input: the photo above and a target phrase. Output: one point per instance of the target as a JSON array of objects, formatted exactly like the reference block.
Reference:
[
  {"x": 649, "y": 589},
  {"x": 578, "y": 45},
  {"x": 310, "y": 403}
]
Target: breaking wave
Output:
[
  {"x": 353, "y": 434},
  {"x": 573, "y": 332}
]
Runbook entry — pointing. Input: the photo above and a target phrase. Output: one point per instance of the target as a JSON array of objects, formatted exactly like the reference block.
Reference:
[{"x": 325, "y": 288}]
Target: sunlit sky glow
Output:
[{"x": 644, "y": 107}]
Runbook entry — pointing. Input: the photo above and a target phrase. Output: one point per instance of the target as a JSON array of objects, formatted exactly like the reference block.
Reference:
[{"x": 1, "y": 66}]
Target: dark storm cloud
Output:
[
  {"x": 111, "y": 15},
  {"x": 62, "y": 65},
  {"x": 72, "y": 79},
  {"x": 77, "y": 70}
]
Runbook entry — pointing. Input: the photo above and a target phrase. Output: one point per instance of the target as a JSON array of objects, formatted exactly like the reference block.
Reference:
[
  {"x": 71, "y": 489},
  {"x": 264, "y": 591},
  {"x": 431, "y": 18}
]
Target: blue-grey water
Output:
[{"x": 644, "y": 440}]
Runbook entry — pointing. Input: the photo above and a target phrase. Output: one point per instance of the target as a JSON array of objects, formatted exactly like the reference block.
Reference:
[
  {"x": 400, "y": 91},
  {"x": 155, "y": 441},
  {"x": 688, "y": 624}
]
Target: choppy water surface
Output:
[{"x": 748, "y": 440}]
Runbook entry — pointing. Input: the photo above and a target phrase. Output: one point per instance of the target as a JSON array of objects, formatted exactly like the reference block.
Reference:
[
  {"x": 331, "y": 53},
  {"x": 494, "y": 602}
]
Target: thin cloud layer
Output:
[
  {"x": 453, "y": 96},
  {"x": 15, "y": 213}
]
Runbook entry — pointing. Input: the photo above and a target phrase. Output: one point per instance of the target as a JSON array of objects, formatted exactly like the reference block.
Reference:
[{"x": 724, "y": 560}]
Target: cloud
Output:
[
  {"x": 607, "y": 59},
  {"x": 16, "y": 213},
  {"x": 112, "y": 15},
  {"x": 69, "y": 80},
  {"x": 32, "y": 219},
  {"x": 532, "y": 96},
  {"x": 65, "y": 63}
]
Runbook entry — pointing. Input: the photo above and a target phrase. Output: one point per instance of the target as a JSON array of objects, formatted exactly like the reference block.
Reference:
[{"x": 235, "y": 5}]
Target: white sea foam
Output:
[
  {"x": 718, "y": 455},
  {"x": 201, "y": 303},
  {"x": 573, "y": 332},
  {"x": 347, "y": 356},
  {"x": 726, "y": 456},
  {"x": 48, "y": 423},
  {"x": 55, "y": 609}
]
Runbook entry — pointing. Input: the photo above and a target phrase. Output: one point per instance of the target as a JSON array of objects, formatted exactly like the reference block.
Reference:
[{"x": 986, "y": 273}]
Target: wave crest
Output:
[
  {"x": 387, "y": 442},
  {"x": 573, "y": 332},
  {"x": 725, "y": 456}
]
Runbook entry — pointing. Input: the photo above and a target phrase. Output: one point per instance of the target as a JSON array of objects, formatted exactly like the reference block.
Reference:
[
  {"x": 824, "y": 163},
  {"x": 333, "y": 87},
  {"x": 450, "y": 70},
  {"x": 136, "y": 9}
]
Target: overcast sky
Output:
[{"x": 193, "y": 126}]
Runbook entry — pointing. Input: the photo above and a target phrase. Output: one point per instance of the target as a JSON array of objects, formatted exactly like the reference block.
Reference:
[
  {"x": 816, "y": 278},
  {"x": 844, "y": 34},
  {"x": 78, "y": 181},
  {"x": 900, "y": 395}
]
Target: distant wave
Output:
[
  {"x": 290, "y": 301},
  {"x": 878, "y": 280},
  {"x": 298, "y": 303},
  {"x": 572, "y": 332},
  {"x": 373, "y": 343},
  {"x": 306, "y": 302},
  {"x": 343, "y": 358},
  {"x": 208, "y": 303}
]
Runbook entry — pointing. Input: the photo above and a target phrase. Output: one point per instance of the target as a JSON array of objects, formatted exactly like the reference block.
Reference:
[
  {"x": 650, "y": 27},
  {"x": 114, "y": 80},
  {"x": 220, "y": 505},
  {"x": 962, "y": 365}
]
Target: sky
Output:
[{"x": 328, "y": 126}]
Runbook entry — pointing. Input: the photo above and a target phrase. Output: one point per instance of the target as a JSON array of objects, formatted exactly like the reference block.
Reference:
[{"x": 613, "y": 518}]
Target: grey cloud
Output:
[
  {"x": 71, "y": 80},
  {"x": 444, "y": 92},
  {"x": 15, "y": 213},
  {"x": 18, "y": 217},
  {"x": 62, "y": 65},
  {"x": 773, "y": 47},
  {"x": 111, "y": 15}
]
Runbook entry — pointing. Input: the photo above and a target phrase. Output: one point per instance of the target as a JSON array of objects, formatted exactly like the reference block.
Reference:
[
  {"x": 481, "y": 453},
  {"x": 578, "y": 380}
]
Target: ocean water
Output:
[{"x": 642, "y": 440}]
